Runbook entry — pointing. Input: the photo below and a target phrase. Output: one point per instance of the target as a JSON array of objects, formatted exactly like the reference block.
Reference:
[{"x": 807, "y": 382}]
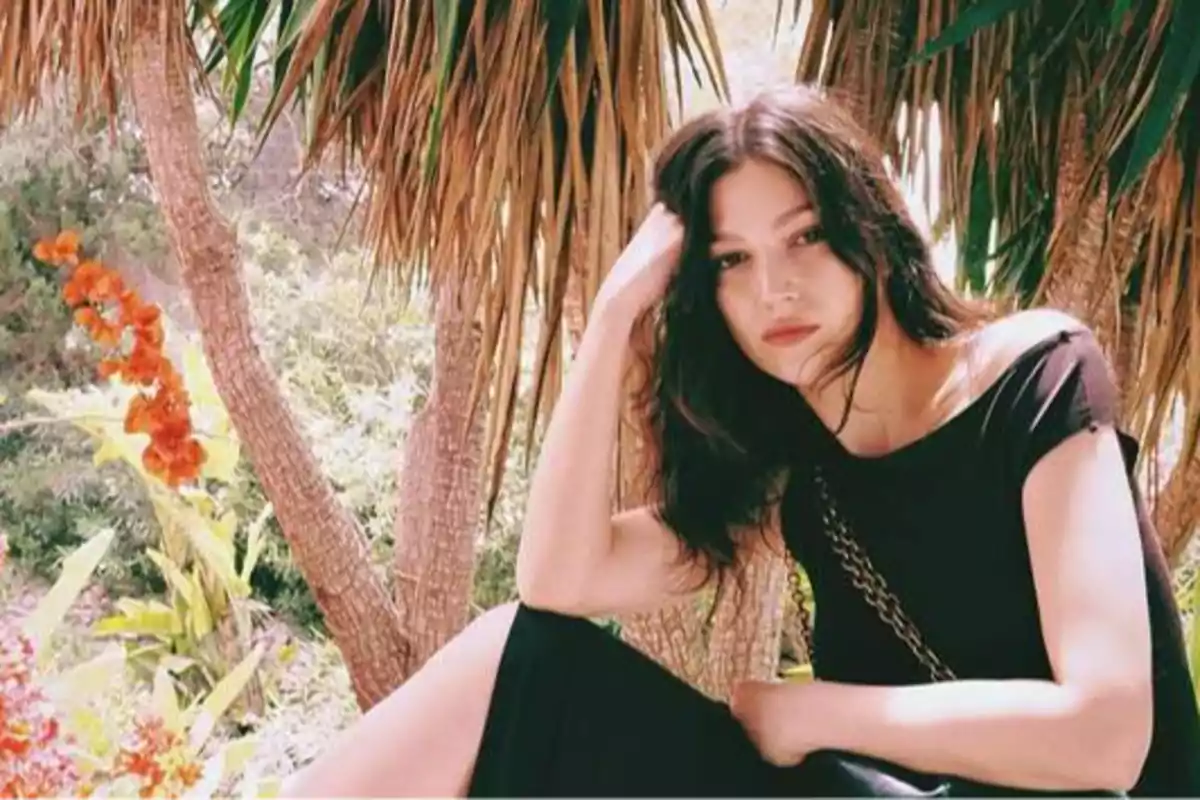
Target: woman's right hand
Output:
[{"x": 641, "y": 273}]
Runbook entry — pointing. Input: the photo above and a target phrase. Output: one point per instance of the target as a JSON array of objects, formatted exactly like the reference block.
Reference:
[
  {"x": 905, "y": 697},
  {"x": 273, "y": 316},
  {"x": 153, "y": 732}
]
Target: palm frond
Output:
[
  {"x": 1066, "y": 129},
  {"x": 494, "y": 137},
  {"x": 45, "y": 41}
]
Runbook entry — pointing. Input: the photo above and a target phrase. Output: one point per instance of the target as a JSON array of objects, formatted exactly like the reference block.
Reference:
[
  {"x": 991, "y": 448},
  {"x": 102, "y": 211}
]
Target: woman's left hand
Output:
[{"x": 770, "y": 714}]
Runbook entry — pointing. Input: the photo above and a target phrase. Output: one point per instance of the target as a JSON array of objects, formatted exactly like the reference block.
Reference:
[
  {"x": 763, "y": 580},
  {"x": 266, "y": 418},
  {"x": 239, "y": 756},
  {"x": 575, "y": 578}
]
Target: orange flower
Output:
[
  {"x": 138, "y": 418},
  {"x": 151, "y": 333},
  {"x": 136, "y": 313},
  {"x": 61, "y": 250},
  {"x": 189, "y": 774},
  {"x": 109, "y": 367},
  {"x": 84, "y": 282},
  {"x": 86, "y": 317},
  {"x": 145, "y": 364},
  {"x": 107, "y": 288},
  {"x": 173, "y": 454}
]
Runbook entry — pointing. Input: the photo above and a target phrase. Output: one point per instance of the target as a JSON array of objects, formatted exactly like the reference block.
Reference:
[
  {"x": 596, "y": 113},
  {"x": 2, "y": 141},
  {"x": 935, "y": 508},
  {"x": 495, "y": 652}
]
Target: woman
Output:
[{"x": 816, "y": 390}]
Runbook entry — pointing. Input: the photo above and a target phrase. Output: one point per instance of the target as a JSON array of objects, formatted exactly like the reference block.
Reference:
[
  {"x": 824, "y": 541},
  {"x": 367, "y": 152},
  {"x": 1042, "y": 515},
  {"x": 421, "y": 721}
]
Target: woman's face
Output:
[{"x": 790, "y": 303}]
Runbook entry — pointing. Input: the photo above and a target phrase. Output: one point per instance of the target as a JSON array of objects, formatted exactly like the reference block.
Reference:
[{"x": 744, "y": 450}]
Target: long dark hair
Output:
[{"x": 725, "y": 431}]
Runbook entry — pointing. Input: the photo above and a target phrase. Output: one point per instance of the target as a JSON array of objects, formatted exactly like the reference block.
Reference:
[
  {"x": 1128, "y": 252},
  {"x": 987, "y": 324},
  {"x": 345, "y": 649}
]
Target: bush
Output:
[
  {"x": 353, "y": 367},
  {"x": 52, "y": 178},
  {"x": 61, "y": 733}
]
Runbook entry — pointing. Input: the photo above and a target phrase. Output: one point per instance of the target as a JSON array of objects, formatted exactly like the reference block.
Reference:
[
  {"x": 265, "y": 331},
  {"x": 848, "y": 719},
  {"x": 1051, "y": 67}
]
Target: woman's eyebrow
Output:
[
  {"x": 792, "y": 213},
  {"x": 780, "y": 221}
]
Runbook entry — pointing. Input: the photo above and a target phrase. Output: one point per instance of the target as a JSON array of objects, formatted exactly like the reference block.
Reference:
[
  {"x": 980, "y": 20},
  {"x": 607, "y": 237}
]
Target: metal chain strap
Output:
[
  {"x": 803, "y": 620},
  {"x": 866, "y": 578}
]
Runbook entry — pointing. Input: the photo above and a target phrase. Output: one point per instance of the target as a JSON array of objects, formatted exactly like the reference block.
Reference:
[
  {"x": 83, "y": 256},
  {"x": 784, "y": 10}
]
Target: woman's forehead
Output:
[{"x": 757, "y": 197}]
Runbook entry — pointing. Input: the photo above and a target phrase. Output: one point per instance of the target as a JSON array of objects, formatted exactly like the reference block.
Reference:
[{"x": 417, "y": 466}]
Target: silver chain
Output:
[{"x": 866, "y": 578}]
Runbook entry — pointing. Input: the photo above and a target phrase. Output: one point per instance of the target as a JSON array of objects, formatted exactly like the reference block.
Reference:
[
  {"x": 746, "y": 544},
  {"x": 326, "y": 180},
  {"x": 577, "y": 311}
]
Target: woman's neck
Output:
[{"x": 902, "y": 391}]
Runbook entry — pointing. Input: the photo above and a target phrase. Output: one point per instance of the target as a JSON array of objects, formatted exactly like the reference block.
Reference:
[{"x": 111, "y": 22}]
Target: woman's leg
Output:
[{"x": 423, "y": 739}]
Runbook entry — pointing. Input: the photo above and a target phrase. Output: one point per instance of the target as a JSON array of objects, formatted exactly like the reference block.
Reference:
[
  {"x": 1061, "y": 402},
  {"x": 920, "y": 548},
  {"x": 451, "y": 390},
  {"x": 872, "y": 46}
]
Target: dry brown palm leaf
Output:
[
  {"x": 43, "y": 41},
  {"x": 493, "y": 136},
  {"x": 996, "y": 78},
  {"x": 78, "y": 45}
]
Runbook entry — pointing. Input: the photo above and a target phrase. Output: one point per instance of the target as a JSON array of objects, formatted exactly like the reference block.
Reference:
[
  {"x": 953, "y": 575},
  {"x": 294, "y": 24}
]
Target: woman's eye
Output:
[
  {"x": 727, "y": 260},
  {"x": 808, "y": 236}
]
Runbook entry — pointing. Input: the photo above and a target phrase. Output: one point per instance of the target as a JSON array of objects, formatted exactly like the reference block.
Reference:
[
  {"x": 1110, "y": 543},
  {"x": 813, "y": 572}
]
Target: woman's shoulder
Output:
[
  {"x": 1005, "y": 343},
  {"x": 1049, "y": 378}
]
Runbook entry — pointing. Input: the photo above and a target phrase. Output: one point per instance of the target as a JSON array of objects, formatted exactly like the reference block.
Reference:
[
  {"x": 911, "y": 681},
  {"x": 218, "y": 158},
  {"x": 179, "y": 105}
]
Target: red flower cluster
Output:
[
  {"x": 35, "y": 758},
  {"x": 156, "y": 754},
  {"x": 106, "y": 309}
]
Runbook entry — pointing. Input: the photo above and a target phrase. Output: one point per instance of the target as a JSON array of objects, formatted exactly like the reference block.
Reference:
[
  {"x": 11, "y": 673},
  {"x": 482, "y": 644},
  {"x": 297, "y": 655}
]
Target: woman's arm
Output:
[
  {"x": 1089, "y": 728},
  {"x": 575, "y": 557}
]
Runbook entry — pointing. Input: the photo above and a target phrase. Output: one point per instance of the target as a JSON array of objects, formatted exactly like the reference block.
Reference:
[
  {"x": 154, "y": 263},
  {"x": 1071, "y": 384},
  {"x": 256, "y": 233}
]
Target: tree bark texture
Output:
[
  {"x": 327, "y": 545},
  {"x": 440, "y": 494}
]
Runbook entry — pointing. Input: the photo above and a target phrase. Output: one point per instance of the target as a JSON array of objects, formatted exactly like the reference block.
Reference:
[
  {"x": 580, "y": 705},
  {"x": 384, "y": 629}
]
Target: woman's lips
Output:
[{"x": 783, "y": 335}]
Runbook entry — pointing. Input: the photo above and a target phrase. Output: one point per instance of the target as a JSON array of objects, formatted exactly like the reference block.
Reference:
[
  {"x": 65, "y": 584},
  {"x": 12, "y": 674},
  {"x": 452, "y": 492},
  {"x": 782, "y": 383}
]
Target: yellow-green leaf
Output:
[
  {"x": 264, "y": 788},
  {"x": 287, "y": 652},
  {"x": 226, "y": 526},
  {"x": 89, "y": 679},
  {"x": 255, "y": 541},
  {"x": 92, "y": 735},
  {"x": 216, "y": 553},
  {"x": 237, "y": 754},
  {"x": 172, "y": 573},
  {"x": 109, "y": 450},
  {"x": 218, "y": 701},
  {"x": 221, "y": 456},
  {"x": 201, "y": 614},
  {"x": 166, "y": 702},
  {"x": 801, "y": 672},
  {"x": 76, "y": 573},
  {"x": 142, "y": 618},
  {"x": 198, "y": 377}
]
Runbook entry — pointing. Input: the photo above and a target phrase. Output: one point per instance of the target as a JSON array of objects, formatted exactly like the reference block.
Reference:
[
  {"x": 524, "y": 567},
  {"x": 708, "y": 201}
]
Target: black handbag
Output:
[{"x": 841, "y": 774}]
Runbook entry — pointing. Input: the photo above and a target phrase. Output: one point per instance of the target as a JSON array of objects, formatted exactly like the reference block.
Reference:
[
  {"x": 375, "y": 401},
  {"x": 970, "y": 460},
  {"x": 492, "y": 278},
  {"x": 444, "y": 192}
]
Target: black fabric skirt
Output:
[{"x": 576, "y": 712}]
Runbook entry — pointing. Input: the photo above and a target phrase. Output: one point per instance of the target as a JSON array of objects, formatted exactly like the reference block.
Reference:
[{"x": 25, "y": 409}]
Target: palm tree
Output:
[
  {"x": 1069, "y": 171},
  {"x": 143, "y": 49},
  {"x": 507, "y": 148},
  {"x": 504, "y": 148}
]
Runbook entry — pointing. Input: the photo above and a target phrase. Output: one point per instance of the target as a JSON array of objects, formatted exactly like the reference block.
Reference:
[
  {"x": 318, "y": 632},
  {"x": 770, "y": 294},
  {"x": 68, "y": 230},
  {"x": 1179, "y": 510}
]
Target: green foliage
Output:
[
  {"x": 205, "y": 619},
  {"x": 52, "y": 179},
  {"x": 65, "y": 735},
  {"x": 355, "y": 369}
]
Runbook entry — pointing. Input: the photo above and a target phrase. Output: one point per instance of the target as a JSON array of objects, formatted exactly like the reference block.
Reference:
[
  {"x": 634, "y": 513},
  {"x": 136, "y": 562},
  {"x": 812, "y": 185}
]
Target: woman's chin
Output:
[{"x": 801, "y": 373}]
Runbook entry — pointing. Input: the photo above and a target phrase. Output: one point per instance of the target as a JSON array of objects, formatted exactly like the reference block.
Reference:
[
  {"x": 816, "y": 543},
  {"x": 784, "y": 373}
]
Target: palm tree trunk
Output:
[
  {"x": 747, "y": 628},
  {"x": 440, "y": 494},
  {"x": 1087, "y": 276},
  {"x": 328, "y": 548},
  {"x": 1078, "y": 281}
]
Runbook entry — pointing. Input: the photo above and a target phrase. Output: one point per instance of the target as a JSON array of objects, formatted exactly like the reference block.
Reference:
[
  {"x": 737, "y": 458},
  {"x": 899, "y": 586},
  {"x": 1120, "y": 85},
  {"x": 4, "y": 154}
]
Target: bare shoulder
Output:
[{"x": 1000, "y": 343}]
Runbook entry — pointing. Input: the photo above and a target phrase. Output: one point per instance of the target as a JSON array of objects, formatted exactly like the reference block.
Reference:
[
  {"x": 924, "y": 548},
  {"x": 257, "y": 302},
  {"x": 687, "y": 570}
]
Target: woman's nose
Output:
[{"x": 775, "y": 280}]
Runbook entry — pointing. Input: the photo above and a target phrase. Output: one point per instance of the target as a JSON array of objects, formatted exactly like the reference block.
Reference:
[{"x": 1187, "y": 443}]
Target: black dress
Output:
[{"x": 576, "y": 712}]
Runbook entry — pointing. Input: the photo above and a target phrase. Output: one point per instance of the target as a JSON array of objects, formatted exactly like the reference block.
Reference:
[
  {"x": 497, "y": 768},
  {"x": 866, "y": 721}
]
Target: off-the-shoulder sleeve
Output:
[{"x": 1065, "y": 387}]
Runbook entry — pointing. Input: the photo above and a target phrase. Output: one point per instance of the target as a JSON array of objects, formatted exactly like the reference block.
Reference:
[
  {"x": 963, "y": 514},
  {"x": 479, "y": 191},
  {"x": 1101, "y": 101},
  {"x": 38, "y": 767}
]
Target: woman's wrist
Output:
[
  {"x": 612, "y": 315},
  {"x": 806, "y": 718}
]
